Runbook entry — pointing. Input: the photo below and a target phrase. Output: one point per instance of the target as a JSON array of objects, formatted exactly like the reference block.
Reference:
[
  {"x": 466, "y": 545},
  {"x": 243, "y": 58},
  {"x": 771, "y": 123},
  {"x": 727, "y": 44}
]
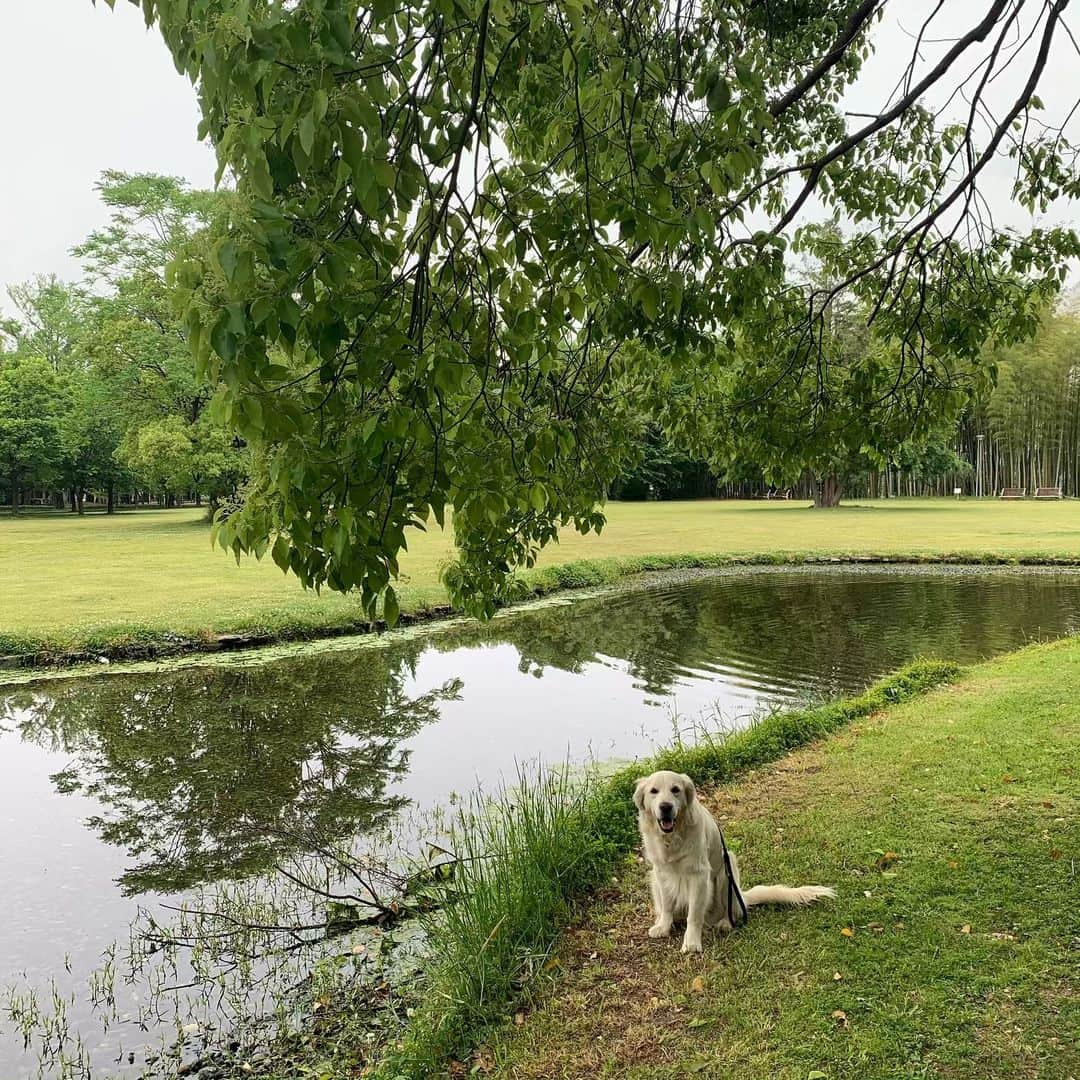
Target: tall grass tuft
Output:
[{"x": 521, "y": 861}]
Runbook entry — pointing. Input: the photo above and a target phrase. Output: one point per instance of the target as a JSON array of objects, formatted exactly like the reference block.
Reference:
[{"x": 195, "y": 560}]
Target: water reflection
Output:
[
  {"x": 784, "y": 632},
  {"x": 221, "y": 773}
]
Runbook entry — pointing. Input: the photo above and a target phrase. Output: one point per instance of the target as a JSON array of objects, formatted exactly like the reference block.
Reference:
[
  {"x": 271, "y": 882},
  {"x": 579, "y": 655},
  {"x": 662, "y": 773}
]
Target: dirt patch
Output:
[
  {"x": 611, "y": 1008},
  {"x": 768, "y": 791}
]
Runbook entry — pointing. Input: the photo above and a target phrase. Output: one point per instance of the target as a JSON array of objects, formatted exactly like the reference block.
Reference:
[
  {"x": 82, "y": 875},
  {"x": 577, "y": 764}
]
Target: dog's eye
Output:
[
  {"x": 654, "y": 791},
  {"x": 674, "y": 791}
]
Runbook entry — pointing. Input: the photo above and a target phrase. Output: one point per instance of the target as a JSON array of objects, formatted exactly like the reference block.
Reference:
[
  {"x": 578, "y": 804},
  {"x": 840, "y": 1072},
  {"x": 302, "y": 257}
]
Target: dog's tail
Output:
[{"x": 781, "y": 894}]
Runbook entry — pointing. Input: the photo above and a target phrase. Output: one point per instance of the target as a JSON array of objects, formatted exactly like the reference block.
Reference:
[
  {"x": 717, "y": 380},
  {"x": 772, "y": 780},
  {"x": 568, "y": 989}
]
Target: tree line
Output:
[
  {"x": 99, "y": 396},
  {"x": 1018, "y": 428}
]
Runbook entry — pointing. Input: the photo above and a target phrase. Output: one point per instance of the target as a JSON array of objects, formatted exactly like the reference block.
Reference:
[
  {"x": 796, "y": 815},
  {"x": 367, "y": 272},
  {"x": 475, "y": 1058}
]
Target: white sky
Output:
[{"x": 83, "y": 89}]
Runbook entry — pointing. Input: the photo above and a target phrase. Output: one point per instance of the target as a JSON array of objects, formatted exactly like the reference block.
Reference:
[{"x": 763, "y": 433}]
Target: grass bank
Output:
[
  {"x": 525, "y": 866},
  {"x": 148, "y": 584},
  {"x": 950, "y": 826}
]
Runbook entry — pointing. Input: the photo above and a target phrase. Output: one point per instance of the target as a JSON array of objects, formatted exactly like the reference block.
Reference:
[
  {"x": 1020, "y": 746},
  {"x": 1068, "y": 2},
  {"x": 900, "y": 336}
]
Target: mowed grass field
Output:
[
  {"x": 75, "y": 579},
  {"x": 949, "y": 826}
]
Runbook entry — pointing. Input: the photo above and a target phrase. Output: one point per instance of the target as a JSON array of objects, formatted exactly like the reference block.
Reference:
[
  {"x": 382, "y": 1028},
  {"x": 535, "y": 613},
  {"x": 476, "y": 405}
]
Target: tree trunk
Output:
[
  {"x": 14, "y": 494},
  {"x": 198, "y": 497},
  {"x": 74, "y": 500},
  {"x": 827, "y": 492},
  {"x": 110, "y": 498}
]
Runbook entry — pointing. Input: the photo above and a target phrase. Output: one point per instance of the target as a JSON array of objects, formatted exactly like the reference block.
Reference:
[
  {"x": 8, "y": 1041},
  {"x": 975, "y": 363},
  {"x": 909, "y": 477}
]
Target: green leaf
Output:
[
  {"x": 306, "y": 131},
  {"x": 649, "y": 298},
  {"x": 719, "y": 97},
  {"x": 352, "y": 150},
  {"x": 222, "y": 339},
  {"x": 341, "y": 27},
  {"x": 390, "y": 606},
  {"x": 385, "y": 174},
  {"x": 262, "y": 309},
  {"x": 227, "y": 259}
]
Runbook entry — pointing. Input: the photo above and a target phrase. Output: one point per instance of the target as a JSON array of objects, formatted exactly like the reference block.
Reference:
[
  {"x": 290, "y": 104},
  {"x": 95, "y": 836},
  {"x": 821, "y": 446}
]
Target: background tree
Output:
[
  {"x": 31, "y": 405},
  {"x": 133, "y": 332},
  {"x": 52, "y": 317},
  {"x": 161, "y": 453},
  {"x": 664, "y": 472},
  {"x": 138, "y": 344},
  {"x": 121, "y": 357},
  {"x": 9, "y": 335},
  {"x": 1031, "y": 415},
  {"x": 91, "y": 427},
  {"x": 219, "y": 464},
  {"x": 862, "y": 406}
]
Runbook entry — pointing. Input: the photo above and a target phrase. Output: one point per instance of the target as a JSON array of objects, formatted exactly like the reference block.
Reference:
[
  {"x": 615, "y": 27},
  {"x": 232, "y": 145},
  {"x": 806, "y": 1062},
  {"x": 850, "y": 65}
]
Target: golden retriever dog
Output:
[{"x": 694, "y": 876}]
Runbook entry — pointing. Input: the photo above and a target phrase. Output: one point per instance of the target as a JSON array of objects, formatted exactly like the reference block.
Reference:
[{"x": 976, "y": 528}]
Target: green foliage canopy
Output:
[
  {"x": 124, "y": 377},
  {"x": 131, "y": 332},
  {"x": 466, "y": 230}
]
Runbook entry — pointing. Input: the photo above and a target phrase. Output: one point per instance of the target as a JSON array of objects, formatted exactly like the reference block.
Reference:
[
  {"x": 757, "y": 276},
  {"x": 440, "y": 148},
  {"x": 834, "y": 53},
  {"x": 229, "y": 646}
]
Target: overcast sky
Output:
[{"x": 83, "y": 89}]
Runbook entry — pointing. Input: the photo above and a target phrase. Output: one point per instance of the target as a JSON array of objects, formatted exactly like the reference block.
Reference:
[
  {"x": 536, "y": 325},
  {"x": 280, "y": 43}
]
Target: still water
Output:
[{"x": 122, "y": 792}]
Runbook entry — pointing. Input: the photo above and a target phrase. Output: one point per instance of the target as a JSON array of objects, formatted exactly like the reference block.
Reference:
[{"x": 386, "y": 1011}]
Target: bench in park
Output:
[
  {"x": 1012, "y": 493},
  {"x": 1048, "y": 493}
]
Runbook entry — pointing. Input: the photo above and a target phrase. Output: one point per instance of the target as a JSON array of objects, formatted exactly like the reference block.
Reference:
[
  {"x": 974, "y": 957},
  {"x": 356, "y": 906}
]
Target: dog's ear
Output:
[
  {"x": 688, "y": 787},
  {"x": 639, "y": 792}
]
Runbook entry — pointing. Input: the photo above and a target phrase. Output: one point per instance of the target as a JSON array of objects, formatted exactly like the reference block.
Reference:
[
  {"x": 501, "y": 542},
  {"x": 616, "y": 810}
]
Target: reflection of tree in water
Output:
[
  {"x": 821, "y": 630},
  {"x": 221, "y": 772}
]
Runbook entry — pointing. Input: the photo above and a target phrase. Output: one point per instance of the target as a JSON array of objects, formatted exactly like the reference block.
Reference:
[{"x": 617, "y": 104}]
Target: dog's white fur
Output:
[{"x": 688, "y": 877}]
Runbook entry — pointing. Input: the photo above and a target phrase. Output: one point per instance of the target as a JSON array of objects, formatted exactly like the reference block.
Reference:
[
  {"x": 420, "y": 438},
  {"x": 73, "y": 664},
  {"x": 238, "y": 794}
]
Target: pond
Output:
[{"x": 122, "y": 792}]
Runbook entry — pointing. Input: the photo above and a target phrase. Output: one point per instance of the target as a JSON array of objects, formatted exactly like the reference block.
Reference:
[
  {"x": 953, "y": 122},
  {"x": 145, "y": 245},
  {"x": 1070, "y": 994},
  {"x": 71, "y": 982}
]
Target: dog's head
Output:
[{"x": 664, "y": 797}]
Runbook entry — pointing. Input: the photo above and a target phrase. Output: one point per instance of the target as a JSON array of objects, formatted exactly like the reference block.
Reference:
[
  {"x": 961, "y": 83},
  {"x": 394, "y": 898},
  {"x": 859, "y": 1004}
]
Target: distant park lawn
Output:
[{"x": 70, "y": 579}]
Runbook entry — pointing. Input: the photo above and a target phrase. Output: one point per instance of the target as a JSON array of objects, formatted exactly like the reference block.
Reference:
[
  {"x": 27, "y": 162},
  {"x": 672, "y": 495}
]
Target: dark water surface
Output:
[{"x": 119, "y": 791}]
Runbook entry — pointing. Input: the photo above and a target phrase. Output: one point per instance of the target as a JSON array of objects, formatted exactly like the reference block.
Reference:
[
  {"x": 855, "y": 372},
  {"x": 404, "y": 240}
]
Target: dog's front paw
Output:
[
  {"x": 724, "y": 926},
  {"x": 659, "y": 929},
  {"x": 691, "y": 944}
]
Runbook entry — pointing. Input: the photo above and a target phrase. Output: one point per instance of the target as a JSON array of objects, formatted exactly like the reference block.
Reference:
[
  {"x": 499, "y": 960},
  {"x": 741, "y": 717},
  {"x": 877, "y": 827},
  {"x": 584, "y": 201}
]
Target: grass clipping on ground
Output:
[{"x": 950, "y": 827}]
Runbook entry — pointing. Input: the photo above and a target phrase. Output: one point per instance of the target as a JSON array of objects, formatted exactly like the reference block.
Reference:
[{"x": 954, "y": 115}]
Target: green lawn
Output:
[
  {"x": 70, "y": 579},
  {"x": 950, "y": 827}
]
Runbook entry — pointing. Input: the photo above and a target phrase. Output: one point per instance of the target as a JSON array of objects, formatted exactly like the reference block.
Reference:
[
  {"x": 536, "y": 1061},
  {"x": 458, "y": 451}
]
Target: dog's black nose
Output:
[{"x": 665, "y": 809}]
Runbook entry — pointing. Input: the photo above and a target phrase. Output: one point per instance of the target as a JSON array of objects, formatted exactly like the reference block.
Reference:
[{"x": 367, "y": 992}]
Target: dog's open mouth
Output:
[{"x": 666, "y": 826}]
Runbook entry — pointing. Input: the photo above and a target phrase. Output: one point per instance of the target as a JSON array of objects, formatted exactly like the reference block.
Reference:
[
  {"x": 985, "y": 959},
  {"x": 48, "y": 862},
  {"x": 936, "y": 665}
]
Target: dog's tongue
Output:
[{"x": 667, "y": 826}]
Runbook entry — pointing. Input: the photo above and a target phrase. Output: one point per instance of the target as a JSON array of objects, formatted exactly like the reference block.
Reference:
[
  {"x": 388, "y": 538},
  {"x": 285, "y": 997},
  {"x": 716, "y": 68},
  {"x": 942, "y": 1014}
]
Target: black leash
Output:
[{"x": 733, "y": 891}]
